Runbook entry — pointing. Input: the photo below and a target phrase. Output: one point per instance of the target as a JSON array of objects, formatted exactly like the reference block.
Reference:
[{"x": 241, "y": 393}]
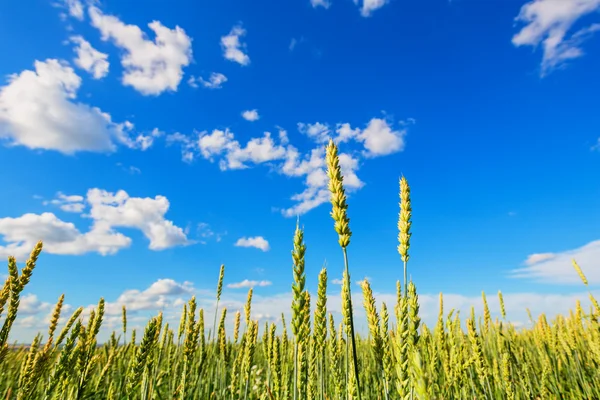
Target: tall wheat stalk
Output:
[{"x": 342, "y": 227}]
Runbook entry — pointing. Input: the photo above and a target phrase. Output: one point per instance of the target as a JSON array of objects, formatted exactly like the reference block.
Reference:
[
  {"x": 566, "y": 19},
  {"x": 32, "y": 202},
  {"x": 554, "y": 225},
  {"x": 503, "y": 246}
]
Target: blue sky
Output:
[{"x": 148, "y": 145}]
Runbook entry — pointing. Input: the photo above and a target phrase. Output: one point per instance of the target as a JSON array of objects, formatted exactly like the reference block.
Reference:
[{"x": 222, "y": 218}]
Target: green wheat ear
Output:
[
  {"x": 248, "y": 307},
  {"x": 338, "y": 196},
  {"x": 404, "y": 224}
]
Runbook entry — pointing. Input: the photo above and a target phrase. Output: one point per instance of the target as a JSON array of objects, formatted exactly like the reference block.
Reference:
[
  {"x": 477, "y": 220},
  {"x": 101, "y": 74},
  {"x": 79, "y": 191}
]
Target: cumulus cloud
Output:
[
  {"x": 318, "y": 132},
  {"x": 248, "y": 284},
  {"x": 216, "y": 142},
  {"x": 250, "y": 115},
  {"x": 233, "y": 48},
  {"x": 378, "y": 138},
  {"x": 107, "y": 211},
  {"x": 257, "y": 242},
  {"x": 368, "y": 6},
  {"x": 557, "y": 267},
  {"x": 215, "y": 81},
  {"x": 150, "y": 67},
  {"x": 38, "y": 110},
  {"x": 90, "y": 59},
  {"x": 256, "y": 151},
  {"x": 549, "y": 23},
  {"x": 156, "y": 297},
  {"x": 313, "y": 168},
  {"x": 223, "y": 143}
]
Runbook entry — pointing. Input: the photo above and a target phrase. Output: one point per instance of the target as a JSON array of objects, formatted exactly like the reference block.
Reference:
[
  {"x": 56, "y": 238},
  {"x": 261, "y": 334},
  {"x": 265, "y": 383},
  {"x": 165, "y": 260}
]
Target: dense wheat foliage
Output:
[{"x": 313, "y": 357}]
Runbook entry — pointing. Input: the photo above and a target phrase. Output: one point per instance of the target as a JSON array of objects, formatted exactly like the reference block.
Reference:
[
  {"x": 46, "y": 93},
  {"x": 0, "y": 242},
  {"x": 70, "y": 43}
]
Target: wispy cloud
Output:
[
  {"x": 548, "y": 22},
  {"x": 74, "y": 8},
  {"x": 72, "y": 203},
  {"x": 129, "y": 169},
  {"x": 557, "y": 267},
  {"x": 320, "y": 3},
  {"x": 248, "y": 284},
  {"x": 215, "y": 81}
]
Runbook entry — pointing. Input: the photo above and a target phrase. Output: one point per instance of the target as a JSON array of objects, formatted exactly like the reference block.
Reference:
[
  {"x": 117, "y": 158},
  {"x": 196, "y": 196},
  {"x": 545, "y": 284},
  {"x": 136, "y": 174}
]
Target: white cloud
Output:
[
  {"x": 168, "y": 296},
  {"x": 107, "y": 212},
  {"x": 215, "y": 81},
  {"x": 549, "y": 22},
  {"x": 144, "y": 142},
  {"x": 205, "y": 231},
  {"x": 90, "y": 59},
  {"x": 250, "y": 115},
  {"x": 31, "y": 305},
  {"x": 283, "y": 136},
  {"x": 318, "y": 132},
  {"x": 320, "y": 3},
  {"x": 59, "y": 237},
  {"x": 38, "y": 110},
  {"x": 346, "y": 133},
  {"x": 256, "y": 151},
  {"x": 337, "y": 281},
  {"x": 557, "y": 267},
  {"x": 150, "y": 67},
  {"x": 368, "y": 6},
  {"x": 133, "y": 170},
  {"x": 257, "y": 242},
  {"x": 233, "y": 48},
  {"x": 146, "y": 214},
  {"x": 539, "y": 257},
  {"x": 162, "y": 295},
  {"x": 248, "y": 284},
  {"x": 72, "y": 203},
  {"x": 74, "y": 8},
  {"x": 378, "y": 138},
  {"x": 156, "y": 297},
  {"x": 314, "y": 168},
  {"x": 223, "y": 143},
  {"x": 216, "y": 143}
]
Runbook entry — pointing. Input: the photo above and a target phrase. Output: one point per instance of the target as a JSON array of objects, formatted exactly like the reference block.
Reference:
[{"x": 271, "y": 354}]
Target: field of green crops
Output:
[{"x": 311, "y": 356}]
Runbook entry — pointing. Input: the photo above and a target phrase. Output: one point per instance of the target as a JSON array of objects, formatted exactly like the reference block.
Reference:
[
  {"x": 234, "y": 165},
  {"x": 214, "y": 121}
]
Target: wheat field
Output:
[{"x": 311, "y": 356}]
